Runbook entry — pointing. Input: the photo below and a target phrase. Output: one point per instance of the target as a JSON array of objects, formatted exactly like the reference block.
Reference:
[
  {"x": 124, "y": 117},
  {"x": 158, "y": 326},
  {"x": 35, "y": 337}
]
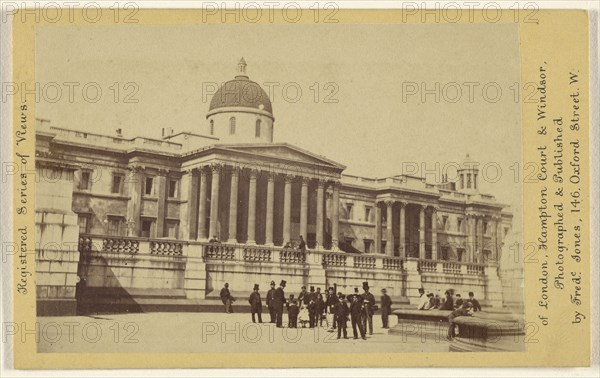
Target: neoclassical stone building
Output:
[{"x": 141, "y": 211}]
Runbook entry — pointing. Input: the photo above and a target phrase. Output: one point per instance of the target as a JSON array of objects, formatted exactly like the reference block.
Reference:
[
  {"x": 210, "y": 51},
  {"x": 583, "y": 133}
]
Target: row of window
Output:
[
  {"x": 232, "y": 124},
  {"x": 116, "y": 225},
  {"x": 119, "y": 178}
]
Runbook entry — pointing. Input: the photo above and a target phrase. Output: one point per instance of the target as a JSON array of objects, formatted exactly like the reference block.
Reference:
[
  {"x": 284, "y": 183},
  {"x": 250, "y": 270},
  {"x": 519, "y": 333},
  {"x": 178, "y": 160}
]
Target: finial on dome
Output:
[{"x": 242, "y": 67}]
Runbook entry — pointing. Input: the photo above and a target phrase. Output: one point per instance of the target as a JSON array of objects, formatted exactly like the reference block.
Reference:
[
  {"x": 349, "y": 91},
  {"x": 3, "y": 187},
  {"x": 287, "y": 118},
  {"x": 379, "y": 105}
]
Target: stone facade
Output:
[{"x": 256, "y": 196}]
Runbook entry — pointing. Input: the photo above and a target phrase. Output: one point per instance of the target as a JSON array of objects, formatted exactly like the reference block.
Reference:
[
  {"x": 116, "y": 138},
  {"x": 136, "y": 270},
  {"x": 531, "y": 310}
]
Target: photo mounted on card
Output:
[{"x": 301, "y": 188}]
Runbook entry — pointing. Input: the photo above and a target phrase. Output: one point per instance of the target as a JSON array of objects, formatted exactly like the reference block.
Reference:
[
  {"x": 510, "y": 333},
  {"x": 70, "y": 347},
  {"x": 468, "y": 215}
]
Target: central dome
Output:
[{"x": 241, "y": 92}]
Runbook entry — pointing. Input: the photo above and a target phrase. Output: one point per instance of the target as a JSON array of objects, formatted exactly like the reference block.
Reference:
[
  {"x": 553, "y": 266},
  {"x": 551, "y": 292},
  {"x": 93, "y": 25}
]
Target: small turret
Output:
[{"x": 468, "y": 175}]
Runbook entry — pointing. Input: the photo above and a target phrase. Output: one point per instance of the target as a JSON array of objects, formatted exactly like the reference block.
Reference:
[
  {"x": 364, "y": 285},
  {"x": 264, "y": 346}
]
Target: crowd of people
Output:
[
  {"x": 451, "y": 302},
  {"x": 316, "y": 309}
]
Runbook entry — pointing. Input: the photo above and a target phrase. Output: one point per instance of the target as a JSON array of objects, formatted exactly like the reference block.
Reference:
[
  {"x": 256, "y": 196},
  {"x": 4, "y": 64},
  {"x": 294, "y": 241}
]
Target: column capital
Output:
[
  {"x": 135, "y": 168},
  {"x": 402, "y": 203},
  {"x": 253, "y": 173},
  {"x": 305, "y": 180},
  {"x": 389, "y": 203},
  {"x": 235, "y": 171},
  {"x": 271, "y": 176},
  {"x": 287, "y": 178},
  {"x": 335, "y": 184},
  {"x": 434, "y": 208},
  {"x": 321, "y": 182},
  {"x": 202, "y": 170},
  {"x": 163, "y": 172},
  {"x": 216, "y": 167}
]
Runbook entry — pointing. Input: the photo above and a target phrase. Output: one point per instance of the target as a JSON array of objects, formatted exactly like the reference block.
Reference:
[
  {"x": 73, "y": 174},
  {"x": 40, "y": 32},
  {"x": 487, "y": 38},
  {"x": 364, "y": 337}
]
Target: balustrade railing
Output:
[
  {"x": 292, "y": 257},
  {"x": 120, "y": 245},
  {"x": 219, "y": 252},
  {"x": 427, "y": 266},
  {"x": 334, "y": 259},
  {"x": 257, "y": 254},
  {"x": 368, "y": 262},
  {"x": 475, "y": 269},
  {"x": 393, "y": 263},
  {"x": 166, "y": 248},
  {"x": 451, "y": 267}
]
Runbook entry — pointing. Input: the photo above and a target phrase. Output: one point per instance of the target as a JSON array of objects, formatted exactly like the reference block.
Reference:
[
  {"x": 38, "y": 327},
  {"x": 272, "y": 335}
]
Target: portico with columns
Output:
[{"x": 249, "y": 195}]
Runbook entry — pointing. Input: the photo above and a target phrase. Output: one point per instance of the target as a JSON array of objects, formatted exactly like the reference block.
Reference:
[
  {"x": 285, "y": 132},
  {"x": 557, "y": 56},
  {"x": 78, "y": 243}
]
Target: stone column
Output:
[
  {"x": 421, "y": 231},
  {"x": 287, "y": 209},
  {"x": 214, "y": 200},
  {"x": 480, "y": 238},
  {"x": 377, "y": 228},
  {"x": 134, "y": 206},
  {"x": 270, "y": 208},
  {"x": 202, "y": 206},
  {"x": 233, "y": 204},
  {"x": 335, "y": 216},
  {"x": 320, "y": 197},
  {"x": 434, "y": 252},
  {"x": 402, "y": 231},
  {"x": 389, "y": 245},
  {"x": 192, "y": 204},
  {"x": 493, "y": 246},
  {"x": 304, "y": 207},
  {"x": 252, "y": 208},
  {"x": 161, "y": 206}
]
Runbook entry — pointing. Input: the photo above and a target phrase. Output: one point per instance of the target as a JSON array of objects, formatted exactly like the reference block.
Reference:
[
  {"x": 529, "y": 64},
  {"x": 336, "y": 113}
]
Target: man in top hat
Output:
[
  {"x": 303, "y": 297},
  {"x": 356, "y": 311},
  {"x": 386, "y": 308},
  {"x": 255, "y": 304},
  {"x": 369, "y": 308},
  {"x": 270, "y": 304},
  {"x": 312, "y": 307},
  {"x": 330, "y": 302},
  {"x": 278, "y": 301},
  {"x": 340, "y": 309}
]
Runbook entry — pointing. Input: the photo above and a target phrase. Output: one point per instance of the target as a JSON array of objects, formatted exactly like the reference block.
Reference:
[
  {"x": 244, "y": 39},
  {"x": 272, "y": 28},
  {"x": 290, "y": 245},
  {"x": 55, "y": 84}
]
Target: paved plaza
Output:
[{"x": 213, "y": 332}]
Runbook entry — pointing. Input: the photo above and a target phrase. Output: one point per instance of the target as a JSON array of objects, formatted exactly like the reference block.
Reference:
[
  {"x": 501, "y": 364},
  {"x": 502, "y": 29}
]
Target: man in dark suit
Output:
[
  {"x": 369, "y": 308},
  {"x": 226, "y": 298},
  {"x": 303, "y": 297},
  {"x": 302, "y": 245},
  {"x": 474, "y": 302},
  {"x": 340, "y": 309},
  {"x": 386, "y": 308},
  {"x": 270, "y": 304},
  {"x": 278, "y": 301},
  {"x": 330, "y": 302},
  {"x": 255, "y": 304},
  {"x": 356, "y": 312}
]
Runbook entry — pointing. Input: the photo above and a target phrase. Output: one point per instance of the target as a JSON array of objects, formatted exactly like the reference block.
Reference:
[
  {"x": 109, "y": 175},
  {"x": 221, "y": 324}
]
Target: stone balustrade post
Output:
[
  {"x": 195, "y": 271},
  {"x": 413, "y": 280}
]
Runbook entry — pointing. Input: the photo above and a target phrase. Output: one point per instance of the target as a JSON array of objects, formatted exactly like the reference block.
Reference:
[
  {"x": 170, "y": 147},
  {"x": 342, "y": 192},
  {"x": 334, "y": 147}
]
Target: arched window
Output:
[
  {"x": 231, "y": 125},
  {"x": 212, "y": 127},
  {"x": 257, "y": 130}
]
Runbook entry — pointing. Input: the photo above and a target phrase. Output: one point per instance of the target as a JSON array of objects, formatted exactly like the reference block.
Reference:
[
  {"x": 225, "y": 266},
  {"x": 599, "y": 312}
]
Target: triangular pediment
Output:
[{"x": 282, "y": 151}]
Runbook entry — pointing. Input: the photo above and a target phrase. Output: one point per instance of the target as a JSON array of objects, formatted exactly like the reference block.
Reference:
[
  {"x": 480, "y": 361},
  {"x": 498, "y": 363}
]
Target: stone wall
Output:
[{"x": 56, "y": 229}]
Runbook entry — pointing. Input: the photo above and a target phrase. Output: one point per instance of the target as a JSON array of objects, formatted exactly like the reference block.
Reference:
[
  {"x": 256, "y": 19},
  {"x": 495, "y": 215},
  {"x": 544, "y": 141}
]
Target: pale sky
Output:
[{"x": 371, "y": 129}]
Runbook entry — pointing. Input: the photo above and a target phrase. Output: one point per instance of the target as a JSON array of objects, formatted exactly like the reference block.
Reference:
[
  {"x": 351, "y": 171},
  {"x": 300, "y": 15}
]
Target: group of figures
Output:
[
  {"x": 315, "y": 309},
  {"x": 451, "y": 302}
]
